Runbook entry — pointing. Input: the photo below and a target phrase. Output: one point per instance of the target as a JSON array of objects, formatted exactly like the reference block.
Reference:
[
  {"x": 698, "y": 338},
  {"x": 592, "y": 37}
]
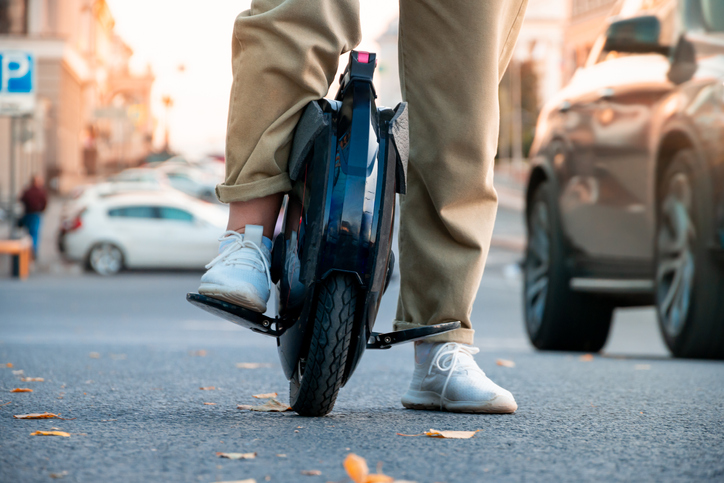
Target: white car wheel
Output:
[{"x": 105, "y": 259}]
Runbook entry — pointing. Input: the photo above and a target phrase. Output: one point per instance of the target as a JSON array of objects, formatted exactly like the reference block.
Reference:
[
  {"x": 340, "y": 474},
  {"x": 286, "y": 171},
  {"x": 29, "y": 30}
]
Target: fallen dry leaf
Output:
[
  {"x": 201, "y": 353},
  {"x": 94, "y": 355},
  {"x": 356, "y": 468},
  {"x": 32, "y": 379},
  {"x": 586, "y": 358},
  {"x": 62, "y": 474},
  {"x": 505, "y": 363},
  {"x": 208, "y": 388},
  {"x": 433, "y": 433},
  {"x": 5, "y": 404},
  {"x": 8, "y": 365},
  {"x": 210, "y": 404},
  {"x": 378, "y": 478},
  {"x": 250, "y": 480},
  {"x": 266, "y": 395},
  {"x": 44, "y": 415},
  {"x": 410, "y": 435},
  {"x": 51, "y": 433},
  {"x": 21, "y": 389},
  {"x": 252, "y": 365},
  {"x": 237, "y": 456},
  {"x": 270, "y": 406},
  {"x": 311, "y": 472},
  {"x": 282, "y": 455}
]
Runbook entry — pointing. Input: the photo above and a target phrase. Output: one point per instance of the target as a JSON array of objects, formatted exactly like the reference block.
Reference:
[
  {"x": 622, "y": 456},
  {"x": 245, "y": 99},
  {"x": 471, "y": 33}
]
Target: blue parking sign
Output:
[
  {"x": 16, "y": 72},
  {"x": 17, "y": 83}
]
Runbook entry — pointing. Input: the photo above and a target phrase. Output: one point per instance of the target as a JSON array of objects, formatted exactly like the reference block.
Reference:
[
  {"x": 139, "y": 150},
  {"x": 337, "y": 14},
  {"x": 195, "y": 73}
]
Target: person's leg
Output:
[
  {"x": 33, "y": 224},
  {"x": 452, "y": 56},
  {"x": 284, "y": 54}
]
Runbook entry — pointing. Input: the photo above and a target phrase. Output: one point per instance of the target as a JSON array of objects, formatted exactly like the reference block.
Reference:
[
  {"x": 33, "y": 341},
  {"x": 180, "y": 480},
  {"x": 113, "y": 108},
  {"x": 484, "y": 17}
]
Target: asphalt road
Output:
[{"x": 629, "y": 414}]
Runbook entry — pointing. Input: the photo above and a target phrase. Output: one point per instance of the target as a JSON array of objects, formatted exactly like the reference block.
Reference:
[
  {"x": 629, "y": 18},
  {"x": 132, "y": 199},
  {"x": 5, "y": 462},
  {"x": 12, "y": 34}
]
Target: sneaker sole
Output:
[
  {"x": 430, "y": 401},
  {"x": 248, "y": 300}
]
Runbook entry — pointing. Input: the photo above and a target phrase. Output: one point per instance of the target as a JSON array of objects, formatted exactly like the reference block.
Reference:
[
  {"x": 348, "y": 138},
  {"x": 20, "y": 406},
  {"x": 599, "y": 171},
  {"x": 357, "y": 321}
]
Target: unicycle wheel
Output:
[{"x": 318, "y": 377}]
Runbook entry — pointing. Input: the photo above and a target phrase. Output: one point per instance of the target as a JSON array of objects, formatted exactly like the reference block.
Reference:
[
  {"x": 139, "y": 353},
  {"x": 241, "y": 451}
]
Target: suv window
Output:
[
  {"x": 168, "y": 213},
  {"x": 133, "y": 212}
]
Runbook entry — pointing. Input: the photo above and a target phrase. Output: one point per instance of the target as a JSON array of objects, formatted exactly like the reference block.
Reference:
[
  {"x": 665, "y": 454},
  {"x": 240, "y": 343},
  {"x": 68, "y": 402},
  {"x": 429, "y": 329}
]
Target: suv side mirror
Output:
[{"x": 638, "y": 35}]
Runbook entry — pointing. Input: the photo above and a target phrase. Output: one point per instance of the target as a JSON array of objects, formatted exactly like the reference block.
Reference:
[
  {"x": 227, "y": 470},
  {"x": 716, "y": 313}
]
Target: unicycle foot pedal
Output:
[
  {"x": 385, "y": 341},
  {"x": 238, "y": 315}
]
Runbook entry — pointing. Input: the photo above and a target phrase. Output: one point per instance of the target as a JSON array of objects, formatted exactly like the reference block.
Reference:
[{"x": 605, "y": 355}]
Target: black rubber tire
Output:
[
  {"x": 564, "y": 319},
  {"x": 702, "y": 327},
  {"x": 316, "y": 382}
]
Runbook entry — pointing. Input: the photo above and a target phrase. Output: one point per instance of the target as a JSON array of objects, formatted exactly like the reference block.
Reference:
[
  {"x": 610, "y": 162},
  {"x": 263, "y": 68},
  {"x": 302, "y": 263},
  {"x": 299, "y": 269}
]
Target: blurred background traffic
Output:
[{"x": 124, "y": 128}]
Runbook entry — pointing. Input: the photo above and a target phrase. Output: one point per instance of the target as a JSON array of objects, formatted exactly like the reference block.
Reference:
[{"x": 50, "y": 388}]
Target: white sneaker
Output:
[
  {"x": 240, "y": 273},
  {"x": 450, "y": 379}
]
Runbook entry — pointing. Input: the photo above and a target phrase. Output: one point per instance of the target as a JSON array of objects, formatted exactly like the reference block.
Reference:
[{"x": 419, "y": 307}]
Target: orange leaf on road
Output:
[
  {"x": 210, "y": 404},
  {"x": 505, "y": 363},
  {"x": 270, "y": 406},
  {"x": 51, "y": 433},
  {"x": 32, "y": 379},
  {"x": 266, "y": 395},
  {"x": 45, "y": 415},
  {"x": 586, "y": 358},
  {"x": 433, "y": 433},
  {"x": 21, "y": 389},
  {"x": 252, "y": 365},
  {"x": 356, "y": 468},
  {"x": 311, "y": 472},
  {"x": 208, "y": 388},
  {"x": 237, "y": 456},
  {"x": 8, "y": 365}
]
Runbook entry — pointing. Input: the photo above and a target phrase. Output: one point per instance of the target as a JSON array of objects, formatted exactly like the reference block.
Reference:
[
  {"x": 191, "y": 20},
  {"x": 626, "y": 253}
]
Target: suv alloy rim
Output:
[
  {"x": 537, "y": 265},
  {"x": 675, "y": 262}
]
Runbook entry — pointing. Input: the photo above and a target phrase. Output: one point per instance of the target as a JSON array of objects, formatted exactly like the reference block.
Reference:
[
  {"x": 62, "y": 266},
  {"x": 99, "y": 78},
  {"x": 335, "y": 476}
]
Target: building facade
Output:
[{"x": 92, "y": 114}]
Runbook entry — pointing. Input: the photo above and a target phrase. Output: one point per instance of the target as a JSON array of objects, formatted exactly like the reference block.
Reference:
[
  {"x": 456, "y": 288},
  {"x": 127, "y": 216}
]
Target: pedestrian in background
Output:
[{"x": 34, "y": 200}]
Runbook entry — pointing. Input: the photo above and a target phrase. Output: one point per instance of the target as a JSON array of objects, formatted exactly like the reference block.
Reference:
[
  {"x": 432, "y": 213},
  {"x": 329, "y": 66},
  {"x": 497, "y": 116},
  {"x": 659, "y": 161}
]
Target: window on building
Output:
[{"x": 13, "y": 16}]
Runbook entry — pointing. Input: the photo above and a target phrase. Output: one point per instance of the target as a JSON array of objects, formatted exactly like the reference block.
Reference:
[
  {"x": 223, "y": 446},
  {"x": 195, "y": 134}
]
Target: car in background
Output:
[
  {"x": 190, "y": 179},
  {"x": 625, "y": 202},
  {"x": 145, "y": 230}
]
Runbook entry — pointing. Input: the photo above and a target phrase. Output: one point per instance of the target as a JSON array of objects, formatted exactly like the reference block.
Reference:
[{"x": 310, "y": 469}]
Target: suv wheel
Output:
[
  {"x": 556, "y": 317},
  {"x": 689, "y": 282}
]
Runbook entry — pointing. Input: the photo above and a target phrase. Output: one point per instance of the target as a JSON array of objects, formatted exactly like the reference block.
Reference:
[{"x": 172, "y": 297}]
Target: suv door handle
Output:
[{"x": 605, "y": 94}]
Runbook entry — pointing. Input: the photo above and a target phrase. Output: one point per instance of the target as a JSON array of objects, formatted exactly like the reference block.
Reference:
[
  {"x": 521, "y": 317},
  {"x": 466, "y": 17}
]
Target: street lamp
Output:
[{"x": 168, "y": 104}]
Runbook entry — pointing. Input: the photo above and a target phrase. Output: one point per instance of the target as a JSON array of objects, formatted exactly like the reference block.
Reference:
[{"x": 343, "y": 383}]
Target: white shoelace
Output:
[
  {"x": 244, "y": 259},
  {"x": 446, "y": 359}
]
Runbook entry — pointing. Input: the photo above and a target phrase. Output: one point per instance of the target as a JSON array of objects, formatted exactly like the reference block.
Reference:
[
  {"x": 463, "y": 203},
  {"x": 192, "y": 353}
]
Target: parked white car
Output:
[
  {"x": 144, "y": 230},
  {"x": 190, "y": 179}
]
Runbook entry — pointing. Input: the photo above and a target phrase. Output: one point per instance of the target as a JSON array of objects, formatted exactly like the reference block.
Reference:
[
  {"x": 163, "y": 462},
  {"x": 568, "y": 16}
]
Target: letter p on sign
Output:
[{"x": 16, "y": 73}]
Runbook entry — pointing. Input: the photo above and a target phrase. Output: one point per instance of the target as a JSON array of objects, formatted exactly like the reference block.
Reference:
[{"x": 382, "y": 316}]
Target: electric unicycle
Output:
[{"x": 332, "y": 261}]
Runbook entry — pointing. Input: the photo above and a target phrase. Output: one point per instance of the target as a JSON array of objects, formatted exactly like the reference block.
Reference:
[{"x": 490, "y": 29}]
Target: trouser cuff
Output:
[
  {"x": 256, "y": 189},
  {"x": 461, "y": 336}
]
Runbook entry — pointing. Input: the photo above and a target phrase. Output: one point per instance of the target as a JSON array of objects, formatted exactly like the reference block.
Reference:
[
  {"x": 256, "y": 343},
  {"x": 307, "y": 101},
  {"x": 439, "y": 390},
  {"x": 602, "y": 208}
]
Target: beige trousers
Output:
[{"x": 453, "y": 53}]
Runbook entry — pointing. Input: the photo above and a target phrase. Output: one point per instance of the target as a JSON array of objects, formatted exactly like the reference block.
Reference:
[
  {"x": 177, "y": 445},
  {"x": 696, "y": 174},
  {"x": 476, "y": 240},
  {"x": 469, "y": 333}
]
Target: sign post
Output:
[{"x": 17, "y": 99}]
